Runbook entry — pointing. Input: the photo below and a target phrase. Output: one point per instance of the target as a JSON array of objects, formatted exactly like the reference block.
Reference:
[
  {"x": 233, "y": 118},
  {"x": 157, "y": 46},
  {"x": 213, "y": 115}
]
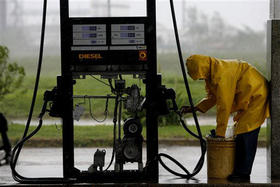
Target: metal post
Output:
[
  {"x": 151, "y": 116},
  {"x": 273, "y": 59},
  {"x": 66, "y": 84}
]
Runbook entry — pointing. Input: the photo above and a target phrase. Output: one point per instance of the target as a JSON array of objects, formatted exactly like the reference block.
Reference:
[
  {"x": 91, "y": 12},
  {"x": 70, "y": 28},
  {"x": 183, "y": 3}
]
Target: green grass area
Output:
[
  {"x": 86, "y": 136},
  {"x": 17, "y": 104},
  {"x": 167, "y": 62}
]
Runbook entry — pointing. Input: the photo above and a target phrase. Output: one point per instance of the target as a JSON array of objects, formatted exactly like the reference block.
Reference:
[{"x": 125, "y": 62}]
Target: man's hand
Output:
[{"x": 187, "y": 109}]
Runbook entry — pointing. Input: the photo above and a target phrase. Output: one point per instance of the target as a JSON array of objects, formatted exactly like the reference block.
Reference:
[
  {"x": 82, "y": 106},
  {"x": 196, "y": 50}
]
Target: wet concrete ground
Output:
[{"x": 47, "y": 162}]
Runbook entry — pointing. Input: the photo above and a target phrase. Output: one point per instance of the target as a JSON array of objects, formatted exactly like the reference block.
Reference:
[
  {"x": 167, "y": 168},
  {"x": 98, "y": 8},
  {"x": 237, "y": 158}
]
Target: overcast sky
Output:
[{"x": 253, "y": 13}]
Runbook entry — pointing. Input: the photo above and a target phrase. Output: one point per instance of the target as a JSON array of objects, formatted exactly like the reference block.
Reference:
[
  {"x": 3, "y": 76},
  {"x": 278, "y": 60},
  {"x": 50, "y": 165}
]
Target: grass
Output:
[
  {"x": 17, "y": 104},
  {"x": 167, "y": 62},
  {"x": 87, "y": 136}
]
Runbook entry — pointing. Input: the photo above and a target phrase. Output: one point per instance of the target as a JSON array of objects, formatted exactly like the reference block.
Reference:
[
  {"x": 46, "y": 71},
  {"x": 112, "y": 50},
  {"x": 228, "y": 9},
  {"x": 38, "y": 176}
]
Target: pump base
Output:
[{"x": 127, "y": 176}]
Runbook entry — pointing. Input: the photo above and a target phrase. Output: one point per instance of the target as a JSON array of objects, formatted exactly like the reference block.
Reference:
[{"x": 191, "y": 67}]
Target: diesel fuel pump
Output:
[{"x": 113, "y": 48}]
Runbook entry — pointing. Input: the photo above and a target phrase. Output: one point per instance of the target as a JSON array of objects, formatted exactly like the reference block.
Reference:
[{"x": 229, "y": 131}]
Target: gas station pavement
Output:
[{"x": 47, "y": 162}]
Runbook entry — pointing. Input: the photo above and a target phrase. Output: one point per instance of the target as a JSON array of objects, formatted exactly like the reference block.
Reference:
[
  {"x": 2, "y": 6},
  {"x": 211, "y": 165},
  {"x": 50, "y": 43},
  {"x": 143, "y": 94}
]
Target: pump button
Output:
[{"x": 143, "y": 55}]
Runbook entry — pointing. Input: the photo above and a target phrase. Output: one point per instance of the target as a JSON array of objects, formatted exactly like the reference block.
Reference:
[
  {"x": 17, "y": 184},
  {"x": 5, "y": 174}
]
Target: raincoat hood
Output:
[{"x": 198, "y": 66}]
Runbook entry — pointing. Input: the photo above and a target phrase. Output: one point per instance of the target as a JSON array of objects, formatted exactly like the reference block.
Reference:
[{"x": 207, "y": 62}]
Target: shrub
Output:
[{"x": 11, "y": 74}]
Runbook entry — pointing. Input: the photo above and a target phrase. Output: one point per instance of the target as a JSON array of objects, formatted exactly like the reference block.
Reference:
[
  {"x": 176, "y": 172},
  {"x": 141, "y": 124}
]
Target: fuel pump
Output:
[{"x": 111, "y": 47}]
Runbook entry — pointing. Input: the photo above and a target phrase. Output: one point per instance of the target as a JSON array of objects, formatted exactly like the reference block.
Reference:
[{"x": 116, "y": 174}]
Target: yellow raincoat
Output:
[{"x": 235, "y": 87}]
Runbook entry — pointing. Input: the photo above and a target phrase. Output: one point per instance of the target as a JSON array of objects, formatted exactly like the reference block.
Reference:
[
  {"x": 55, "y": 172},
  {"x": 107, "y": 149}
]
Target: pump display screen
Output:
[
  {"x": 127, "y": 34},
  {"x": 89, "y": 36},
  {"x": 127, "y": 28},
  {"x": 100, "y": 44},
  {"x": 89, "y": 28}
]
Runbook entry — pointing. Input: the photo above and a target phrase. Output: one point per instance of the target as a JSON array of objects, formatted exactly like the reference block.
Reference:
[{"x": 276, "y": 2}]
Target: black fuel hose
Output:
[
  {"x": 200, "y": 163},
  {"x": 17, "y": 149},
  {"x": 114, "y": 131}
]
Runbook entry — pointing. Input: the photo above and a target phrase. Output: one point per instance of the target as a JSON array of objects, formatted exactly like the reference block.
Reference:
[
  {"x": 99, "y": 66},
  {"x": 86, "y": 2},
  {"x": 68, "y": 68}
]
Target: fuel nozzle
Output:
[
  {"x": 49, "y": 96},
  {"x": 171, "y": 94},
  {"x": 53, "y": 96},
  {"x": 165, "y": 94}
]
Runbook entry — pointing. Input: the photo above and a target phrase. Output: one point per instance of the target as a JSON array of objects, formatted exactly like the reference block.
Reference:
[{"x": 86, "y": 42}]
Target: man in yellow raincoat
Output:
[{"x": 235, "y": 87}]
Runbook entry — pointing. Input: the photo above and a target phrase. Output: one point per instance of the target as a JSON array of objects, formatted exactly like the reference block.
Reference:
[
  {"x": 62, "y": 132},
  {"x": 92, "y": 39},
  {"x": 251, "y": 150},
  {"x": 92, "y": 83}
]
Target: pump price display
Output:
[
  {"x": 120, "y": 35},
  {"x": 127, "y": 34},
  {"x": 84, "y": 34},
  {"x": 89, "y": 28},
  {"x": 125, "y": 28}
]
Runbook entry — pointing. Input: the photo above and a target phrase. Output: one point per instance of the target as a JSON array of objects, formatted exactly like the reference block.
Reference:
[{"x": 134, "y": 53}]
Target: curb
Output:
[{"x": 35, "y": 142}]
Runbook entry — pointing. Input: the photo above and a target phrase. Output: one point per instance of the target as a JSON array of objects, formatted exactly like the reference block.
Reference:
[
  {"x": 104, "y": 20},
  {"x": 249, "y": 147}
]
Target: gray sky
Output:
[
  {"x": 252, "y": 13},
  {"x": 236, "y": 13}
]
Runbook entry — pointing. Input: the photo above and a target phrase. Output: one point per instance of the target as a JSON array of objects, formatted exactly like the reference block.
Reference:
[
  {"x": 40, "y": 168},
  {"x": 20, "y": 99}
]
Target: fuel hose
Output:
[
  {"x": 200, "y": 162},
  {"x": 18, "y": 147}
]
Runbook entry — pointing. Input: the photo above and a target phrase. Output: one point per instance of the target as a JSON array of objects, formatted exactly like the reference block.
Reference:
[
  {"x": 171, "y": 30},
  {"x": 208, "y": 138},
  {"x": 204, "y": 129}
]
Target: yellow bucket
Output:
[{"x": 220, "y": 157}]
